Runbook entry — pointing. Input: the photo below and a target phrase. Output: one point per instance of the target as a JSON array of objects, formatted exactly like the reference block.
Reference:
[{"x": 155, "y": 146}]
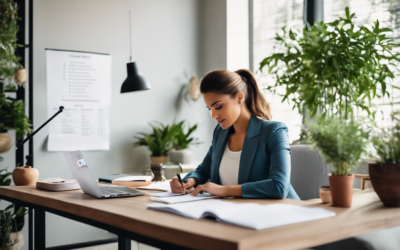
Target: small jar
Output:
[{"x": 325, "y": 194}]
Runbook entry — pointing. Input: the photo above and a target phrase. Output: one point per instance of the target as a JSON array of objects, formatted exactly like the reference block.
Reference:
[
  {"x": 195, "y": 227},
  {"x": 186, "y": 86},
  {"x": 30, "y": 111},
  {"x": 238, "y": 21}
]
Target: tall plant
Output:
[{"x": 333, "y": 68}]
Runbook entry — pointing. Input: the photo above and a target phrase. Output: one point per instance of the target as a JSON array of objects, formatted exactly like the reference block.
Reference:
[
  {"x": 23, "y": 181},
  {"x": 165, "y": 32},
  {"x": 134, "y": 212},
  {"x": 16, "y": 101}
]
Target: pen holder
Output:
[{"x": 157, "y": 172}]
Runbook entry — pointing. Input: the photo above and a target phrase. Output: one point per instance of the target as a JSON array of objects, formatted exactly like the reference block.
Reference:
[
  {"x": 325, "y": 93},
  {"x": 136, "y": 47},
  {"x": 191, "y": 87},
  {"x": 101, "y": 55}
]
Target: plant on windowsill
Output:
[
  {"x": 180, "y": 152},
  {"x": 159, "y": 141},
  {"x": 385, "y": 173},
  {"x": 332, "y": 72}
]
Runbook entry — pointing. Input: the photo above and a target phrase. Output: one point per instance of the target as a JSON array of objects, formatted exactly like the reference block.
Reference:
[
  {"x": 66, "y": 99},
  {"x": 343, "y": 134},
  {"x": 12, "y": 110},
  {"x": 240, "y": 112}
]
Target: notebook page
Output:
[
  {"x": 161, "y": 185},
  {"x": 194, "y": 210},
  {"x": 165, "y": 194},
  {"x": 183, "y": 198},
  {"x": 274, "y": 215}
]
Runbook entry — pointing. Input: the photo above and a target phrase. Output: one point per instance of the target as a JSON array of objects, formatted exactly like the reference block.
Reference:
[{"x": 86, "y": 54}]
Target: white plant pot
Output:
[
  {"x": 183, "y": 156},
  {"x": 18, "y": 241}
]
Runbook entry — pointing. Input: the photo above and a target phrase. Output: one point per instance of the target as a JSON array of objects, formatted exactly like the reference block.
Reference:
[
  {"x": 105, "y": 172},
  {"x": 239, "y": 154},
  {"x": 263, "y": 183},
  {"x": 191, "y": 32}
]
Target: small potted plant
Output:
[
  {"x": 385, "y": 174},
  {"x": 180, "y": 152},
  {"x": 11, "y": 220},
  {"x": 159, "y": 141},
  {"x": 341, "y": 144}
]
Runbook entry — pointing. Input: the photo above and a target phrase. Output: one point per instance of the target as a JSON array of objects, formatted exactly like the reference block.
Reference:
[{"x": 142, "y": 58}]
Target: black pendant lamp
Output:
[{"x": 134, "y": 81}]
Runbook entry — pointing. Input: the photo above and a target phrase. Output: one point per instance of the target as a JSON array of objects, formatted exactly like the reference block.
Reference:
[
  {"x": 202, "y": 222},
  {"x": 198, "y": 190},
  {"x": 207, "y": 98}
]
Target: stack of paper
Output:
[
  {"x": 183, "y": 198},
  {"x": 250, "y": 215},
  {"x": 161, "y": 185}
]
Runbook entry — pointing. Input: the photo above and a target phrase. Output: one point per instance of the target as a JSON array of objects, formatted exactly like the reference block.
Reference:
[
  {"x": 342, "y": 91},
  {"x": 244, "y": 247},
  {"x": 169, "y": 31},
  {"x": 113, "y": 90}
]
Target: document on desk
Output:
[
  {"x": 183, "y": 198},
  {"x": 250, "y": 215},
  {"x": 160, "y": 185},
  {"x": 166, "y": 194}
]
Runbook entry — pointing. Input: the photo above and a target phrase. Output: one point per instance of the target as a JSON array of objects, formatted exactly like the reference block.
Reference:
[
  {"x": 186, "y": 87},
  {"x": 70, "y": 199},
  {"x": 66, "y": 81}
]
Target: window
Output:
[{"x": 269, "y": 16}]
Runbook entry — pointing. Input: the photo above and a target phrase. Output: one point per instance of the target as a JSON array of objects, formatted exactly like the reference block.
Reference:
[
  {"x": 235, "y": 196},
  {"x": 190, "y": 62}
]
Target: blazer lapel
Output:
[{"x": 249, "y": 149}]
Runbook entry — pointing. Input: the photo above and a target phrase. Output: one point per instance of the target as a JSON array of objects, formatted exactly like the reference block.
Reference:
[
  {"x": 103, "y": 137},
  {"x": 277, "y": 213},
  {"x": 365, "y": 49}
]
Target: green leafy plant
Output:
[
  {"x": 387, "y": 142},
  {"x": 11, "y": 218},
  {"x": 333, "y": 68},
  {"x": 160, "y": 141},
  {"x": 9, "y": 223},
  {"x": 12, "y": 115},
  {"x": 8, "y": 38},
  {"x": 341, "y": 143},
  {"x": 182, "y": 140}
]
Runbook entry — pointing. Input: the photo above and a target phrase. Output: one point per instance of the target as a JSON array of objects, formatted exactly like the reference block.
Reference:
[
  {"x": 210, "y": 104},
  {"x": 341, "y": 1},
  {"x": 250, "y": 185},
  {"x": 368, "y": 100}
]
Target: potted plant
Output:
[
  {"x": 180, "y": 152},
  {"x": 341, "y": 144},
  {"x": 331, "y": 72},
  {"x": 159, "y": 141},
  {"x": 11, "y": 220},
  {"x": 385, "y": 174}
]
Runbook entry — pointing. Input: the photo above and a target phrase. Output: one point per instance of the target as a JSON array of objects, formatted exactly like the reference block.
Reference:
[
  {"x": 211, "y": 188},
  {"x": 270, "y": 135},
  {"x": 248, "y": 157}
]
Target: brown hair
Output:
[{"x": 230, "y": 83}]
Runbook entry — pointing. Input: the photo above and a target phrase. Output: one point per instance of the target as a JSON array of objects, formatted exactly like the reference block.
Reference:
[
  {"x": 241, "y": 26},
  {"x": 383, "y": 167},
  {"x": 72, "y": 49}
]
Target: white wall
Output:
[{"x": 170, "y": 40}]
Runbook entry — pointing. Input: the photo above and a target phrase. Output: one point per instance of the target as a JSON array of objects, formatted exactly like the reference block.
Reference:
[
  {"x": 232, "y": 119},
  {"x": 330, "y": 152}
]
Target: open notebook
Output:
[
  {"x": 249, "y": 215},
  {"x": 179, "y": 198}
]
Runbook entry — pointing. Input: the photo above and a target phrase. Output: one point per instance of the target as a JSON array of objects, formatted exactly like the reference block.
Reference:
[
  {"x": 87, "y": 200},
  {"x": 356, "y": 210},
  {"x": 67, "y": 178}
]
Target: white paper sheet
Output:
[
  {"x": 165, "y": 194},
  {"x": 250, "y": 215},
  {"x": 161, "y": 185},
  {"x": 81, "y": 82},
  {"x": 183, "y": 198}
]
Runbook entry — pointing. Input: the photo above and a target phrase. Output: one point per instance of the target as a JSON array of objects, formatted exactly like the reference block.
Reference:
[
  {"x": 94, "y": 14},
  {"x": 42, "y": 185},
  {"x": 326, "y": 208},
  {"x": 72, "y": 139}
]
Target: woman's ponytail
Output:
[
  {"x": 230, "y": 83},
  {"x": 255, "y": 100}
]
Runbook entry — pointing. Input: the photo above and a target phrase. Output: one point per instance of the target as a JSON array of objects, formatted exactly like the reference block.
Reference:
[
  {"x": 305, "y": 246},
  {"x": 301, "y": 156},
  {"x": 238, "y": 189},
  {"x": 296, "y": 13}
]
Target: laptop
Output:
[{"x": 82, "y": 174}]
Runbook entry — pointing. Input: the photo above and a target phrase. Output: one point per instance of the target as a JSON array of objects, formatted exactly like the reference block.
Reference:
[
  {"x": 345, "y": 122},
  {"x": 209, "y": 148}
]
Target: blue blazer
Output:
[{"x": 264, "y": 168}]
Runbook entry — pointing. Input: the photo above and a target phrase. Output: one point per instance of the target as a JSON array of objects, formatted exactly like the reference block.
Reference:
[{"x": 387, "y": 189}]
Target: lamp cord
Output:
[{"x": 130, "y": 37}]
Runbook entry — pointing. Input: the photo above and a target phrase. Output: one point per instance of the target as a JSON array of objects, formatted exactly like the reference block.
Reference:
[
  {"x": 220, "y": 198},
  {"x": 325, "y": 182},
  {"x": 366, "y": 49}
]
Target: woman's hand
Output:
[
  {"x": 212, "y": 188},
  {"x": 176, "y": 186}
]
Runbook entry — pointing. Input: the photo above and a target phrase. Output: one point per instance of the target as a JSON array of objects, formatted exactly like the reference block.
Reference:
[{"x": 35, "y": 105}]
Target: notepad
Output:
[
  {"x": 165, "y": 194},
  {"x": 183, "y": 198},
  {"x": 161, "y": 185},
  {"x": 250, "y": 215}
]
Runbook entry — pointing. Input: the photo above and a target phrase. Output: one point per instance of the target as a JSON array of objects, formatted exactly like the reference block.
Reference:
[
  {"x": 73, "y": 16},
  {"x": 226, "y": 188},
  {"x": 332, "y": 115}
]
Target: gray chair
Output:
[{"x": 309, "y": 172}]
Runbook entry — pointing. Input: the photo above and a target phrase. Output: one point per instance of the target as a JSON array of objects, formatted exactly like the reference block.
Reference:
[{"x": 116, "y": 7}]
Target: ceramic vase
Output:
[
  {"x": 180, "y": 156},
  {"x": 25, "y": 176}
]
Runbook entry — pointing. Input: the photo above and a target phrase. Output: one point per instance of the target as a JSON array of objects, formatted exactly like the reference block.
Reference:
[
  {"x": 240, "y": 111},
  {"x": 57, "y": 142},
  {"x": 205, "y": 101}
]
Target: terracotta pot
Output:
[
  {"x": 159, "y": 159},
  {"x": 20, "y": 76},
  {"x": 5, "y": 142},
  {"x": 25, "y": 176},
  {"x": 385, "y": 179},
  {"x": 341, "y": 190}
]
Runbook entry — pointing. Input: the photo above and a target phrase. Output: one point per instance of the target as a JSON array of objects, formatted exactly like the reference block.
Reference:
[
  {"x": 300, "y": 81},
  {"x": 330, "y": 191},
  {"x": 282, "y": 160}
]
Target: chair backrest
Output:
[{"x": 309, "y": 172}]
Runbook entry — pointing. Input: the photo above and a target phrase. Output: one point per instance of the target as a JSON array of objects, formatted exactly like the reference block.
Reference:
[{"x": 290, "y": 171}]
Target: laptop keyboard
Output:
[{"x": 110, "y": 190}]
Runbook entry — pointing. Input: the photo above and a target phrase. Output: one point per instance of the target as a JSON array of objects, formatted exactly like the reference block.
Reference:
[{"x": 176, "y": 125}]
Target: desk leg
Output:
[
  {"x": 40, "y": 229},
  {"x": 30, "y": 228},
  {"x": 124, "y": 243}
]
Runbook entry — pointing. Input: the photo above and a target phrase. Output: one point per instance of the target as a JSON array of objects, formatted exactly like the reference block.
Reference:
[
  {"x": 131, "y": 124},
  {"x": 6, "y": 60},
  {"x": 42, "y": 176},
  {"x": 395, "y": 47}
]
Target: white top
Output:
[{"x": 229, "y": 167}]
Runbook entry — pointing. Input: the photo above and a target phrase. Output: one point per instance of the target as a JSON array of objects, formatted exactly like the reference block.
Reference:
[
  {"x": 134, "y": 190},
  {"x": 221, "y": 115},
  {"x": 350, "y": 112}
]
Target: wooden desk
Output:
[{"x": 130, "y": 218}]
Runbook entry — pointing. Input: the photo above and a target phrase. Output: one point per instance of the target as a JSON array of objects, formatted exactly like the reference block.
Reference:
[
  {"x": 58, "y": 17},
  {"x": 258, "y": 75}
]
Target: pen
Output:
[{"x": 180, "y": 180}]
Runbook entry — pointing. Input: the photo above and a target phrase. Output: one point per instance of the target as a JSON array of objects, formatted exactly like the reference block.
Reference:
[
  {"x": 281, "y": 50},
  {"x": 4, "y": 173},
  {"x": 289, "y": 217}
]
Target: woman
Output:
[{"x": 249, "y": 156}]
